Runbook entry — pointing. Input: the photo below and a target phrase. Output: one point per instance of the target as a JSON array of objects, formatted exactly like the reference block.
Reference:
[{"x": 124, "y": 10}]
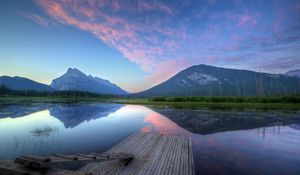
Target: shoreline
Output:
[
  {"x": 186, "y": 104},
  {"x": 289, "y": 106}
]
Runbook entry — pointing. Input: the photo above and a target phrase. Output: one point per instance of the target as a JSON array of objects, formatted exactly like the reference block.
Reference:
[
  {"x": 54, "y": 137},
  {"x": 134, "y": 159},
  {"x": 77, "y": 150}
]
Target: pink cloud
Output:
[
  {"x": 236, "y": 37},
  {"x": 164, "y": 8},
  {"x": 231, "y": 47},
  {"x": 167, "y": 69},
  {"x": 149, "y": 34},
  {"x": 210, "y": 59},
  {"x": 246, "y": 20},
  {"x": 150, "y": 6},
  {"x": 87, "y": 12},
  {"x": 119, "y": 32}
]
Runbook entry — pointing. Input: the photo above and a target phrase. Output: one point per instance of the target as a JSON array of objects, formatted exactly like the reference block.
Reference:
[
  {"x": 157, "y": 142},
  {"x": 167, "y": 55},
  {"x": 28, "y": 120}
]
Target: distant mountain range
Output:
[
  {"x": 199, "y": 80},
  {"x": 20, "y": 83},
  {"x": 293, "y": 73},
  {"x": 74, "y": 79},
  {"x": 204, "y": 80}
]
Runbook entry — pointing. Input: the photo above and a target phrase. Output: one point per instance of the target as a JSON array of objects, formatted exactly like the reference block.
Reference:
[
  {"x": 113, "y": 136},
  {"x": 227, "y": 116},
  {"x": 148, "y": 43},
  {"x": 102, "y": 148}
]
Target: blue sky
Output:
[{"x": 138, "y": 44}]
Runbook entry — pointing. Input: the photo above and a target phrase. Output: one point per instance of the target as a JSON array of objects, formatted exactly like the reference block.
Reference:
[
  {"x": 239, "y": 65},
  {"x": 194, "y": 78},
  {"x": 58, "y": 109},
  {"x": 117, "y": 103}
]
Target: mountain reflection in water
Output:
[
  {"x": 74, "y": 114},
  {"x": 201, "y": 121},
  {"x": 20, "y": 110},
  {"x": 224, "y": 141},
  {"x": 234, "y": 142},
  {"x": 66, "y": 128}
]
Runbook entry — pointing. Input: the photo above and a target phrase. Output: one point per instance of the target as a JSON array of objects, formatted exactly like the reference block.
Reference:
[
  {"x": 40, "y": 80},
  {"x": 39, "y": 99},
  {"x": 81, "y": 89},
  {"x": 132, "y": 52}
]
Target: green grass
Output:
[
  {"x": 294, "y": 106},
  {"x": 145, "y": 101}
]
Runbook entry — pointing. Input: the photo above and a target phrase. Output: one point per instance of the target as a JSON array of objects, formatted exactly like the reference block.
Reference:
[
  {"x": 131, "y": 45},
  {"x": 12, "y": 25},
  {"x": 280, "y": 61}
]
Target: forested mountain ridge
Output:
[{"x": 204, "y": 80}]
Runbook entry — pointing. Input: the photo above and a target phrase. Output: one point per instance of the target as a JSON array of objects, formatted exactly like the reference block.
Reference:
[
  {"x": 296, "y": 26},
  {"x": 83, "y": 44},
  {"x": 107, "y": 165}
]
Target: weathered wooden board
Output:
[{"x": 153, "y": 154}]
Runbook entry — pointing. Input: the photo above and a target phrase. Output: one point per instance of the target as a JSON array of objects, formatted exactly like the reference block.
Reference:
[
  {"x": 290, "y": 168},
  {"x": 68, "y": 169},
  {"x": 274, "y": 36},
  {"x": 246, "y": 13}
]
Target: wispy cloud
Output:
[
  {"x": 281, "y": 64},
  {"x": 38, "y": 19},
  {"x": 167, "y": 69},
  {"x": 135, "y": 40},
  {"x": 247, "y": 20},
  {"x": 163, "y": 38}
]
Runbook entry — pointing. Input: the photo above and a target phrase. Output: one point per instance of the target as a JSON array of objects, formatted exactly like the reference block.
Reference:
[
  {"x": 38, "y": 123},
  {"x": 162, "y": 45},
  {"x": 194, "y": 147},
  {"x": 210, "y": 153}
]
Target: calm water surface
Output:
[{"x": 224, "y": 141}]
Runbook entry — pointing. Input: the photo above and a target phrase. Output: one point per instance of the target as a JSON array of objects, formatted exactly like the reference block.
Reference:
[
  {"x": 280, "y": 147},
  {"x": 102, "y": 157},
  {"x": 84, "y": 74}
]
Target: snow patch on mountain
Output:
[
  {"x": 183, "y": 83},
  {"x": 201, "y": 78}
]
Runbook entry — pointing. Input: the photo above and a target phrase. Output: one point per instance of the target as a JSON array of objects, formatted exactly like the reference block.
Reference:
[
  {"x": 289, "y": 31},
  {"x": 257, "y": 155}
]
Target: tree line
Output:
[
  {"x": 5, "y": 91},
  {"x": 244, "y": 99}
]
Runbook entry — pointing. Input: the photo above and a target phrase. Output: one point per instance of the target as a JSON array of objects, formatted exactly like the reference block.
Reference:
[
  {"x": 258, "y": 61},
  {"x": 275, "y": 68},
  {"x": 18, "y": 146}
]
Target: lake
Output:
[{"x": 225, "y": 141}]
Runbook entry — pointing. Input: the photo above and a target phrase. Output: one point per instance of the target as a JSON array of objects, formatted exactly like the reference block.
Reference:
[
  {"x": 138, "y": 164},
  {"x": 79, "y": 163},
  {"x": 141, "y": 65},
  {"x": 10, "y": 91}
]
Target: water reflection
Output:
[
  {"x": 204, "y": 121},
  {"x": 268, "y": 150},
  {"x": 72, "y": 115},
  {"x": 224, "y": 142},
  {"x": 17, "y": 137},
  {"x": 155, "y": 122},
  {"x": 20, "y": 110},
  {"x": 45, "y": 131},
  {"x": 295, "y": 126},
  {"x": 68, "y": 129}
]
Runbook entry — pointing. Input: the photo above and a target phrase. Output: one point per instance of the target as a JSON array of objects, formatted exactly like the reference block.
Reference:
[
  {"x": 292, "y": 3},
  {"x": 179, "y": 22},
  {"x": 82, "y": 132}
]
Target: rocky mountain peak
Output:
[{"x": 74, "y": 79}]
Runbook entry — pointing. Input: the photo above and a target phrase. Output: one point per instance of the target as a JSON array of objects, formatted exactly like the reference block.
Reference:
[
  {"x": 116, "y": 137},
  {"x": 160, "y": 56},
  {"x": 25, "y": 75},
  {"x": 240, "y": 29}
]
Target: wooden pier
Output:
[
  {"x": 153, "y": 154},
  {"x": 138, "y": 154}
]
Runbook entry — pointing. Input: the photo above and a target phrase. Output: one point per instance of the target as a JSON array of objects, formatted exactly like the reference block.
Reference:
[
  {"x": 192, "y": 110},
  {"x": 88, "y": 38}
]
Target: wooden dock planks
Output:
[{"x": 153, "y": 154}]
